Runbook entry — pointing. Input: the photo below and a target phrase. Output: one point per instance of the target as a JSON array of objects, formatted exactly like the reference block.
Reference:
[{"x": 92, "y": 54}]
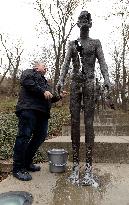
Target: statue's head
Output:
[{"x": 84, "y": 20}]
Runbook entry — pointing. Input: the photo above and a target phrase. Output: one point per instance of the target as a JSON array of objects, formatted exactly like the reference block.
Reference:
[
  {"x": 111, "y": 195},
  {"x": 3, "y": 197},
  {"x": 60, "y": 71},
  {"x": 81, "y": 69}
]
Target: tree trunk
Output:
[
  {"x": 128, "y": 90},
  {"x": 124, "y": 100},
  {"x": 14, "y": 79},
  {"x": 57, "y": 73}
]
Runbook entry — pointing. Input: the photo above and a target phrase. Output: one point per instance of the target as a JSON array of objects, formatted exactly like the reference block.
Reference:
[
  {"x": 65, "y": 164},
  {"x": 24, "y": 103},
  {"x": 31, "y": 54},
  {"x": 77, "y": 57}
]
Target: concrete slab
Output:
[
  {"x": 124, "y": 120},
  {"x": 54, "y": 189},
  {"x": 107, "y": 149},
  {"x": 101, "y": 130},
  {"x": 106, "y": 118},
  {"x": 115, "y": 115},
  {"x": 40, "y": 187},
  {"x": 110, "y": 139},
  {"x": 109, "y": 121}
]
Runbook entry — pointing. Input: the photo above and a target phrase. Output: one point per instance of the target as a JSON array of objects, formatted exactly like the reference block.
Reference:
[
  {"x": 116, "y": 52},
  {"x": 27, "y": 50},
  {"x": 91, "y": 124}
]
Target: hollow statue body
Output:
[{"x": 83, "y": 53}]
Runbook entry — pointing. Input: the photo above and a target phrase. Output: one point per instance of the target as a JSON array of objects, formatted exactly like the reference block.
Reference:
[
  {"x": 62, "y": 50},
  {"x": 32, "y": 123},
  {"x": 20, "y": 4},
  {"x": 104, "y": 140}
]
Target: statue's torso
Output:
[{"x": 88, "y": 59}]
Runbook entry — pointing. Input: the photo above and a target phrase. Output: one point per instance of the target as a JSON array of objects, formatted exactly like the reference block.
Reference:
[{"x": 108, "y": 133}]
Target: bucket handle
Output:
[{"x": 59, "y": 165}]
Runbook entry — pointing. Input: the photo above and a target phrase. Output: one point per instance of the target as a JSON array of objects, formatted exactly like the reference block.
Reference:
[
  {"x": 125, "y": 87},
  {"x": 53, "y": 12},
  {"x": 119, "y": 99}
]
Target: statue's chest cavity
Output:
[{"x": 88, "y": 49}]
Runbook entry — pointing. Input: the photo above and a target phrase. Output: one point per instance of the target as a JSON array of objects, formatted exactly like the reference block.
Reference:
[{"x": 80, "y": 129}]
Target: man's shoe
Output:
[
  {"x": 22, "y": 175},
  {"x": 33, "y": 168}
]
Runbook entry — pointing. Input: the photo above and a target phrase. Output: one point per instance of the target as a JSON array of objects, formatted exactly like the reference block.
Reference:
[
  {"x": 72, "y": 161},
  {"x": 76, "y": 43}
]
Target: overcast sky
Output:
[{"x": 19, "y": 19}]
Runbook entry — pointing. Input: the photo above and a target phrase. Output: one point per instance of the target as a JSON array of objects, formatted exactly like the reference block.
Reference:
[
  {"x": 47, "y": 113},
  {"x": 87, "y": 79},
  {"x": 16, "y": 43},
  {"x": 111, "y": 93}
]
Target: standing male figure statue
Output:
[{"x": 83, "y": 53}]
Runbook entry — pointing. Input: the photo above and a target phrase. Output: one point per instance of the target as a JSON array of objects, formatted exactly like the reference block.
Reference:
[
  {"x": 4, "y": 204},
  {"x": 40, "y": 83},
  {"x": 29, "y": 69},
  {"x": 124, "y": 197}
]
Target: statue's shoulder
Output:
[{"x": 96, "y": 41}]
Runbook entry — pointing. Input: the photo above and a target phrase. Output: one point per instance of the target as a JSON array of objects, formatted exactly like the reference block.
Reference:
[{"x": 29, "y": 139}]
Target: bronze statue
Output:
[{"x": 83, "y": 53}]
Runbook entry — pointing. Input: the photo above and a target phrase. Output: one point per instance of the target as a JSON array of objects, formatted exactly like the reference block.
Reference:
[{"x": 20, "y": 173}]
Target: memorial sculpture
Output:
[{"x": 83, "y": 52}]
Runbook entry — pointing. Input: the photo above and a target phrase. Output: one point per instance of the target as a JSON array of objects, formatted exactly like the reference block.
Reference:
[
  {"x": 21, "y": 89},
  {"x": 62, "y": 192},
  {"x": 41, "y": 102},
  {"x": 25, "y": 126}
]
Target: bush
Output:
[
  {"x": 8, "y": 129},
  {"x": 59, "y": 116},
  {"x": 8, "y": 132}
]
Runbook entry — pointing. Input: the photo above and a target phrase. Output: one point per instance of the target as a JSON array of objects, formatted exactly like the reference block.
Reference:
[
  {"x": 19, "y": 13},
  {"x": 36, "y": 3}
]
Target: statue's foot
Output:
[
  {"x": 89, "y": 180},
  {"x": 74, "y": 177}
]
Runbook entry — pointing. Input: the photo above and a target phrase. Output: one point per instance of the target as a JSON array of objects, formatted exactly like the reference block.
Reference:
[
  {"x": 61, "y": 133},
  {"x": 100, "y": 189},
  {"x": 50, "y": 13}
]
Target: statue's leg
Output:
[
  {"x": 75, "y": 107},
  {"x": 89, "y": 108}
]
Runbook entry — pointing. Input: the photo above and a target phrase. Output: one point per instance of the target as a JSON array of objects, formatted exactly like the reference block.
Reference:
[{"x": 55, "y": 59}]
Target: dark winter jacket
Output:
[{"x": 31, "y": 96}]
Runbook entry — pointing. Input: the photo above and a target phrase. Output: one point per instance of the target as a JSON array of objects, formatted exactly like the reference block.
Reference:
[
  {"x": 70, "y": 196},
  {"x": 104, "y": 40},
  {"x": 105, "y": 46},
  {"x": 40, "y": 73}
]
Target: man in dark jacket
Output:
[{"x": 33, "y": 112}]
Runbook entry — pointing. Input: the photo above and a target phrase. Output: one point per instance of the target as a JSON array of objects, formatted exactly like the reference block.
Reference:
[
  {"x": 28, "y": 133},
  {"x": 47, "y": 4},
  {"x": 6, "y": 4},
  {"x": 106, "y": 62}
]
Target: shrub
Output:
[
  {"x": 8, "y": 129},
  {"x": 59, "y": 116},
  {"x": 8, "y": 132}
]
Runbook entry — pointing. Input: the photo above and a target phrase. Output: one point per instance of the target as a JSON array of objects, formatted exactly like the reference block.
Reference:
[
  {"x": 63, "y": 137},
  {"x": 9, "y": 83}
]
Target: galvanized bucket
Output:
[{"x": 57, "y": 160}]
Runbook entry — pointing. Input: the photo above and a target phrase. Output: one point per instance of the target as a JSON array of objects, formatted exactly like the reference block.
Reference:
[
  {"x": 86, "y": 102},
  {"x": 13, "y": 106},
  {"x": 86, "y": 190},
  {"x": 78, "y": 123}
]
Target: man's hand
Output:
[
  {"x": 47, "y": 95},
  {"x": 63, "y": 93}
]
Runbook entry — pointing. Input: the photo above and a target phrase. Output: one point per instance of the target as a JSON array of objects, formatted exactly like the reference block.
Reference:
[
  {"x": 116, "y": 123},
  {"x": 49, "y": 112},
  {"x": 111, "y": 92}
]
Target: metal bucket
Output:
[{"x": 57, "y": 160}]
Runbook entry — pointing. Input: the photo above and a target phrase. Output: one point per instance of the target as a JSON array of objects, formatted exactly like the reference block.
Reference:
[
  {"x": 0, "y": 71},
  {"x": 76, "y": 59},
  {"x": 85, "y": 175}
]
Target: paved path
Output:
[{"x": 54, "y": 189}]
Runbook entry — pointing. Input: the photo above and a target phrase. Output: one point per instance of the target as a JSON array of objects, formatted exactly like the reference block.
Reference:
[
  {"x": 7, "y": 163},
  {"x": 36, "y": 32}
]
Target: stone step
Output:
[
  {"x": 108, "y": 121},
  {"x": 101, "y": 130},
  {"x": 105, "y": 121},
  {"x": 107, "y": 149},
  {"x": 106, "y": 112},
  {"x": 113, "y": 112},
  {"x": 102, "y": 120},
  {"x": 118, "y": 115}
]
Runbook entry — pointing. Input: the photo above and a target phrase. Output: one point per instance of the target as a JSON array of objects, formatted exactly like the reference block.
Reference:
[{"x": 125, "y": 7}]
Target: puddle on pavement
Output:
[{"x": 66, "y": 193}]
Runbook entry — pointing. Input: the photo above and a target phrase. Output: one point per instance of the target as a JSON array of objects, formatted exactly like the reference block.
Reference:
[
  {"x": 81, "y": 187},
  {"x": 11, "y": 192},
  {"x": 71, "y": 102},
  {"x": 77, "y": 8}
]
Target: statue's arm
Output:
[
  {"x": 103, "y": 65},
  {"x": 65, "y": 66}
]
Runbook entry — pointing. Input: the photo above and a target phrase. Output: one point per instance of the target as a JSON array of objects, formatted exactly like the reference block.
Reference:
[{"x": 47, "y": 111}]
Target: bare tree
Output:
[
  {"x": 120, "y": 10},
  {"x": 117, "y": 75},
  {"x": 58, "y": 16},
  {"x": 45, "y": 55},
  {"x": 5, "y": 68},
  {"x": 13, "y": 61},
  {"x": 125, "y": 29},
  {"x": 123, "y": 13},
  {"x": 15, "y": 67}
]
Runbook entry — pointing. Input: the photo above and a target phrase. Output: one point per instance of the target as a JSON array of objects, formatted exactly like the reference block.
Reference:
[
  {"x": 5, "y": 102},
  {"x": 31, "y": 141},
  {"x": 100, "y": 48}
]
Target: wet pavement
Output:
[
  {"x": 54, "y": 189},
  {"x": 114, "y": 188}
]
